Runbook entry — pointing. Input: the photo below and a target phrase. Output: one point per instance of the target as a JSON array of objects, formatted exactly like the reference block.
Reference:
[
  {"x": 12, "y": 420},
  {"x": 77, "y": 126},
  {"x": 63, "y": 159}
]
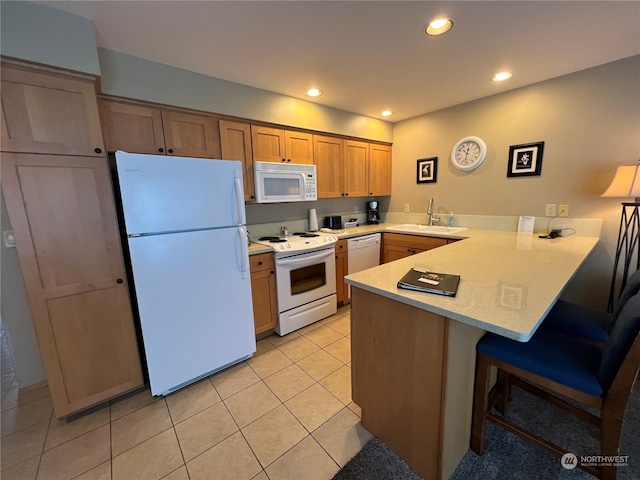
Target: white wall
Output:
[
  {"x": 590, "y": 123},
  {"x": 16, "y": 316},
  {"x": 44, "y": 35},
  {"x": 132, "y": 77}
]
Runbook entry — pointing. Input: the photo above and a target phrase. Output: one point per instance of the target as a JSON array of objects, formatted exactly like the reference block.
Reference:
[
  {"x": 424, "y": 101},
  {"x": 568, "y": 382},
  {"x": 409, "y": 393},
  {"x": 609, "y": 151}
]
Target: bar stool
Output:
[
  {"x": 583, "y": 322},
  {"x": 596, "y": 376}
]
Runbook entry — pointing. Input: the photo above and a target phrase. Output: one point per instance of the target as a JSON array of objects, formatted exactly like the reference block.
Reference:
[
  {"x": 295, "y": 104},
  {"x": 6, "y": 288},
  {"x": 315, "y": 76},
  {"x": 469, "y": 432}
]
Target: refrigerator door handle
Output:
[
  {"x": 244, "y": 251},
  {"x": 239, "y": 198}
]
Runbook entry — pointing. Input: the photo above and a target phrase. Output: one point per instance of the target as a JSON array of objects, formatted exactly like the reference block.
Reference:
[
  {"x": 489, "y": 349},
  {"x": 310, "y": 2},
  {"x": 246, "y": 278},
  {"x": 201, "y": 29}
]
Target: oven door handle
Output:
[{"x": 305, "y": 258}]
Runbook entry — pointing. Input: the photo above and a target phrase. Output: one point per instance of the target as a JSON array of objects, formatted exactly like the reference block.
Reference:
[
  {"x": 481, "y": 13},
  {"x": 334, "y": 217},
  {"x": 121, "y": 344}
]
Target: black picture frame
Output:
[
  {"x": 525, "y": 160},
  {"x": 427, "y": 171}
]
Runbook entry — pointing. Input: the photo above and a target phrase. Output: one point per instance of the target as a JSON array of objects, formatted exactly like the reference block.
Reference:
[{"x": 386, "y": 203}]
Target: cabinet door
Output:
[
  {"x": 48, "y": 113},
  {"x": 355, "y": 173},
  {"x": 396, "y": 252},
  {"x": 263, "y": 291},
  {"x": 191, "y": 135},
  {"x": 327, "y": 156},
  {"x": 342, "y": 269},
  {"x": 379, "y": 169},
  {"x": 64, "y": 222},
  {"x": 235, "y": 144},
  {"x": 268, "y": 144},
  {"x": 131, "y": 128},
  {"x": 298, "y": 147}
]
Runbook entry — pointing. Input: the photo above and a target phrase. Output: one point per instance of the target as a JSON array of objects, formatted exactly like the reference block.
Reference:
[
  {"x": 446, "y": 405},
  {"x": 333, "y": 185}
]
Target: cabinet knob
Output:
[
  {"x": 284, "y": 159},
  {"x": 272, "y": 272},
  {"x": 346, "y": 194},
  {"x": 259, "y": 263},
  {"x": 409, "y": 250},
  {"x": 370, "y": 193},
  {"x": 161, "y": 150},
  {"x": 170, "y": 150},
  {"x": 119, "y": 280},
  {"x": 98, "y": 150},
  {"x": 253, "y": 197},
  {"x": 288, "y": 159}
]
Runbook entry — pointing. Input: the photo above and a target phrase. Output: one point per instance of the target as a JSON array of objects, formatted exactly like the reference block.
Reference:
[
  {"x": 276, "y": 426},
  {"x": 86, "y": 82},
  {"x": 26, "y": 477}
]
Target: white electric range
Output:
[{"x": 305, "y": 278}]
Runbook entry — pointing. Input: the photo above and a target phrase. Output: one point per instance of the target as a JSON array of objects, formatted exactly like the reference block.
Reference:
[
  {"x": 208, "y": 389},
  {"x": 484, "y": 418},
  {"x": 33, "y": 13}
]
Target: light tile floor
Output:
[{"x": 286, "y": 413}]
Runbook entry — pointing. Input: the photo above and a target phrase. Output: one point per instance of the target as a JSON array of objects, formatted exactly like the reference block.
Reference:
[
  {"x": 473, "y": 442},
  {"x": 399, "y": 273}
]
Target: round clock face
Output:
[{"x": 468, "y": 153}]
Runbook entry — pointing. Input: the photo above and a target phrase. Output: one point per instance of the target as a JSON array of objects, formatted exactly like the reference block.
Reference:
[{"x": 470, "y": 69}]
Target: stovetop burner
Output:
[
  {"x": 272, "y": 239},
  {"x": 306, "y": 234}
]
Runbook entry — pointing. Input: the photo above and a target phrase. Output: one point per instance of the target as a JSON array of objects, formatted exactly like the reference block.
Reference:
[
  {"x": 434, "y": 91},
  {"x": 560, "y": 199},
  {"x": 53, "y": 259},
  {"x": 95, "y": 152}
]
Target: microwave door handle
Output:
[
  {"x": 302, "y": 259},
  {"x": 239, "y": 199}
]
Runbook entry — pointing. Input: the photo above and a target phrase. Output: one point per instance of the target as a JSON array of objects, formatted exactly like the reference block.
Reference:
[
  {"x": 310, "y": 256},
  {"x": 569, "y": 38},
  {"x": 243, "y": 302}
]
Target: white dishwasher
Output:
[{"x": 363, "y": 252}]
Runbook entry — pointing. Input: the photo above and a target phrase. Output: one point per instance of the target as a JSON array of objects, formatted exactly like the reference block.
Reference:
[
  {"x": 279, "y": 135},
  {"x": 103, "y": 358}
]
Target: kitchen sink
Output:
[{"x": 426, "y": 229}]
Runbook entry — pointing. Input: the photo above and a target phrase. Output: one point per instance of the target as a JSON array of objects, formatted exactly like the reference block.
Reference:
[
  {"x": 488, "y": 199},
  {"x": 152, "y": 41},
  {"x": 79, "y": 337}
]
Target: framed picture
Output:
[
  {"x": 427, "y": 170},
  {"x": 525, "y": 160}
]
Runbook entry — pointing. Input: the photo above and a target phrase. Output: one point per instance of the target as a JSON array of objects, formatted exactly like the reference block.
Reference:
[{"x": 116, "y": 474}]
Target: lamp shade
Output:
[{"x": 626, "y": 182}]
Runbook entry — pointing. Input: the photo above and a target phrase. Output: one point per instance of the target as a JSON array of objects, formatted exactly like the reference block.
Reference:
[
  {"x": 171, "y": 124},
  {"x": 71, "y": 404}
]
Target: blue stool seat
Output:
[
  {"x": 551, "y": 355},
  {"x": 555, "y": 366}
]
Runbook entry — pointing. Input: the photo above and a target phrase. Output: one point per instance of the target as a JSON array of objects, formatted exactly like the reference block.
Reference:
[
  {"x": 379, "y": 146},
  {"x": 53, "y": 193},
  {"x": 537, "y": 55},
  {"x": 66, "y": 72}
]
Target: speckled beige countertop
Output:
[{"x": 508, "y": 281}]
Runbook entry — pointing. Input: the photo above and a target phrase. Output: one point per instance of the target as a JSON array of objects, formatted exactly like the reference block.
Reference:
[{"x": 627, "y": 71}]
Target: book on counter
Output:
[{"x": 431, "y": 282}]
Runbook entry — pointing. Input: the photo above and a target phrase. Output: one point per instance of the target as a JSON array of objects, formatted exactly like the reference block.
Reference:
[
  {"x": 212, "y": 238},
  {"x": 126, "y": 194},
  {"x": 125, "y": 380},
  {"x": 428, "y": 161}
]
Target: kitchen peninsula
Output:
[{"x": 413, "y": 353}]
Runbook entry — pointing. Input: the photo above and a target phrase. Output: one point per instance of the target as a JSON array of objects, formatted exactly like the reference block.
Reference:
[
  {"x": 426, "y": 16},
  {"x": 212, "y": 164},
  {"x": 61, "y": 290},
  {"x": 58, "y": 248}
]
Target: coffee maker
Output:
[{"x": 374, "y": 216}]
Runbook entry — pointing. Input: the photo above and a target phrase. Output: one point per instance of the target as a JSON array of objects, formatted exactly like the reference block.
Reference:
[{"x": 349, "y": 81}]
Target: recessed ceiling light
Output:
[
  {"x": 314, "y": 92},
  {"x": 438, "y": 26},
  {"x": 387, "y": 113},
  {"x": 502, "y": 76}
]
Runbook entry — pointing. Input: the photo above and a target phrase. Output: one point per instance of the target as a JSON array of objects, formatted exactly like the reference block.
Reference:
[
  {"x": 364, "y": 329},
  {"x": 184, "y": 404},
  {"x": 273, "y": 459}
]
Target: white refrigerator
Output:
[{"x": 186, "y": 231}]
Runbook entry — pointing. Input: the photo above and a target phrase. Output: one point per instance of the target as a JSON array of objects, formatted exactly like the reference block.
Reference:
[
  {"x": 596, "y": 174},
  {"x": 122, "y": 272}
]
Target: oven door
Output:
[{"x": 304, "y": 278}]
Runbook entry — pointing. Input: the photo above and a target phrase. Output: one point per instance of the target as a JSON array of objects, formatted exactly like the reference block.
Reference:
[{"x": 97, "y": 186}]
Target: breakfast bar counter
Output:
[{"x": 413, "y": 353}]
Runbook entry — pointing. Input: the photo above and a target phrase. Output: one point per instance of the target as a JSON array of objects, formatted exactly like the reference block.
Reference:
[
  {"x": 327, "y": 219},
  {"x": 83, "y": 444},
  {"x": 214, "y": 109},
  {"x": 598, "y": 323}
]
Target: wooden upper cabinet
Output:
[
  {"x": 268, "y": 144},
  {"x": 141, "y": 128},
  {"x": 379, "y": 169},
  {"x": 299, "y": 147},
  {"x": 64, "y": 223},
  {"x": 191, "y": 135},
  {"x": 235, "y": 143},
  {"x": 277, "y": 145},
  {"x": 47, "y": 112},
  {"x": 327, "y": 156},
  {"x": 355, "y": 173},
  {"x": 131, "y": 128}
]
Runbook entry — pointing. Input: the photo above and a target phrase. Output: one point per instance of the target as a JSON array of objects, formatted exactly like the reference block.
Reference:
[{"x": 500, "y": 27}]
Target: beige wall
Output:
[{"x": 589, "y": 121}]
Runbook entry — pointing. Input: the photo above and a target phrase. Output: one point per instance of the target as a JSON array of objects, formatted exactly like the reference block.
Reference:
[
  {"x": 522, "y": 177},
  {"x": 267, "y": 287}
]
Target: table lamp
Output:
[{"x": 626, "y": 183}]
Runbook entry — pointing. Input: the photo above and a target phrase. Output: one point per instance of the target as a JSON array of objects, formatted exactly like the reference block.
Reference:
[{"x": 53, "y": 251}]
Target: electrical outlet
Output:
[
  {"x": 9, "y": 241},
  {"x": 406, "y": 208},
  {"x": 355, "y": 209},
  {"x": 563, "y": 210},
  {"x": 550, "y": 210}
]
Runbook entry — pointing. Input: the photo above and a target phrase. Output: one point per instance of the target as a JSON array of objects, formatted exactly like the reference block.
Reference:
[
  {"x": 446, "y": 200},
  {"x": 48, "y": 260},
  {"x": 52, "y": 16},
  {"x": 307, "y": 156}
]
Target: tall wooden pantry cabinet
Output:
[{"x": 58, "y": 192}]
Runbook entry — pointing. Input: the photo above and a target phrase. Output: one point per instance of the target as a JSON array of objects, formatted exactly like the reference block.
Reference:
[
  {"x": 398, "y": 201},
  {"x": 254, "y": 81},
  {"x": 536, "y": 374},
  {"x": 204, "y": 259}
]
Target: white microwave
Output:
[{"x": 284, "y": 182}]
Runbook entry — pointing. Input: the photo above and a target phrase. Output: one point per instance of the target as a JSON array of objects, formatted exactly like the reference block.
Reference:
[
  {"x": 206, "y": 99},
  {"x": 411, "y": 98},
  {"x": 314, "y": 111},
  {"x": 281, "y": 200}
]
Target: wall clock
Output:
[{"x": 468, "y": 153}]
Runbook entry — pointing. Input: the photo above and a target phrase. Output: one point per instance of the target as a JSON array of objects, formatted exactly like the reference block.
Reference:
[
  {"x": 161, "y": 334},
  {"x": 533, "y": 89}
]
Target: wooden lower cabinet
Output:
[
  {"x": 263, "y": 288},
  {"x": 342, "y": 269},
  {"x": 64, "y": 223},
  {"x": 400, "y": 245}
]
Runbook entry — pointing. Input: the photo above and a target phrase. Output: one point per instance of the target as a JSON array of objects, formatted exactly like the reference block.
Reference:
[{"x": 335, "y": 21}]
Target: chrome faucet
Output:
[{"x": 433, "y": 219}]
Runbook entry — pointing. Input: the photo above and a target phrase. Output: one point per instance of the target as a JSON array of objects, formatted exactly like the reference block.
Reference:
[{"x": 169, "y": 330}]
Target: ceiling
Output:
[{"x": 368, "y": 56}]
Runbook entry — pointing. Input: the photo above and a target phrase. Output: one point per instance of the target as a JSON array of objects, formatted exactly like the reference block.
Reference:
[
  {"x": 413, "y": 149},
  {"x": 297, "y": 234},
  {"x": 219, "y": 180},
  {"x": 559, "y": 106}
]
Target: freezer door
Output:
[
  {"x": 195, "y": 306},
  {"x": 168, "y": 194}
]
